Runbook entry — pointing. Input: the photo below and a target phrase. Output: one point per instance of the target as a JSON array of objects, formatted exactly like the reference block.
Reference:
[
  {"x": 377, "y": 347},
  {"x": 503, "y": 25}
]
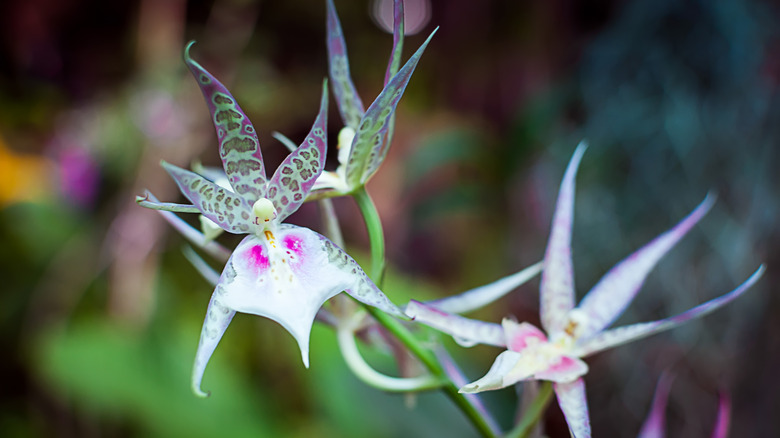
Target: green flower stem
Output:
[
  {"x": 375, "y": 233},
  {"x": 534, "y": 412},
  {"x": 428, "y": 359}
]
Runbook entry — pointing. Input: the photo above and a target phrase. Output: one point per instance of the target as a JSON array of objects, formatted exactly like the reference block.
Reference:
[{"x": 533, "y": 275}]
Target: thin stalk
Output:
[
  {"x": 375, "y": 233},
  {"x": 358, "y": 365},
  {"x": 428, "y": 359},
  {"x": 534, "y": 412}
]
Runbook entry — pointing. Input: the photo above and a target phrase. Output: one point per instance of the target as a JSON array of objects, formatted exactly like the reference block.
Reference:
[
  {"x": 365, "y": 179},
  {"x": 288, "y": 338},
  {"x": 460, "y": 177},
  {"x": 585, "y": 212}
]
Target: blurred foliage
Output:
[{"x": 101, "y": 312}]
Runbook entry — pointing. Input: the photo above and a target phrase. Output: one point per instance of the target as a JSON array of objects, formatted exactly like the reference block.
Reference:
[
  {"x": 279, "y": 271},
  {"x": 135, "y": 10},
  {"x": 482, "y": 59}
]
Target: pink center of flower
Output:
[
  {"x": 524, "y": 335},
  {"x": 257, "y": 258}
]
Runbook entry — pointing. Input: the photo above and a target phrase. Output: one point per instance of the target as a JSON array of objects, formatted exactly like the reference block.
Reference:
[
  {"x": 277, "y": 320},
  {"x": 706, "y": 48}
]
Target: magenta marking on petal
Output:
[
  {"x": 294, "y": 244},
  {"x": 520, "y": 338},
  {"x": 257, "y": 258}
]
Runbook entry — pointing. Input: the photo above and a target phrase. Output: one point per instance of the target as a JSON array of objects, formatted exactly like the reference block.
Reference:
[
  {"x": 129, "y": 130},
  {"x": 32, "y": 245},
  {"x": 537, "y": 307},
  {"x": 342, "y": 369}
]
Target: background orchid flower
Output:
[
  {"x": 655, "y": 424},
  {"x": 279, "y": 271},
  {"x": 572, "y": 333},
  {"x": 365, "y": 138}
]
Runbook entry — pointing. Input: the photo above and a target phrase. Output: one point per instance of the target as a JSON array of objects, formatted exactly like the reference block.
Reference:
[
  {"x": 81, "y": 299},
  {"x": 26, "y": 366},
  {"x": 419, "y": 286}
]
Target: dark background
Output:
[{"x": 101, "y": 312}]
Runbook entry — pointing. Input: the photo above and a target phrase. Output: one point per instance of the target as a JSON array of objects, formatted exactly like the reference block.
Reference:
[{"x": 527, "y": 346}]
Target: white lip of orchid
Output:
[{"x": 264, "y": 212}]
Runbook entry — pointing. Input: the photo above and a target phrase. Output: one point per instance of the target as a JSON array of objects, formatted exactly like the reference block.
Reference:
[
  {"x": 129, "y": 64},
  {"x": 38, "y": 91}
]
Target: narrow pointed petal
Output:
[
  {"x": 496, "y": 377},
  {"x": 349, "y": 103},
  {"x": 574, "y": 404},
  {"x": 615, "y": 291},
  {"x": 521, "y": 336},
  {"x": 146, "y": 202},
  {"x": 295, "y": 177},
  {"x": 222, "y": 206},
  {"x": 283, "y": 139},
  {"x": 478, "y": 297},
  {"x": 655, "y": 424},
  {"x": 621, "y": 335},
  {"x": 466, "y": 331},
  {"x": 200, "y": 265},
  {"x": 239, "y": 148},
  {"x": 557, "y": 286},
  {"x": 398, "y": 40},
  {"x": 195, "y": 237},
  {"x": 723, "y": 422},
  {"x": 217, "y": 319},
  {"x": 368, "y": 145}
]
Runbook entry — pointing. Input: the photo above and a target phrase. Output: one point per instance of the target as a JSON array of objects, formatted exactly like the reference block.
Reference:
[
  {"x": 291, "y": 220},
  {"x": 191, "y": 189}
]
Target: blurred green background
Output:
[{"x": 101, "y": 312}]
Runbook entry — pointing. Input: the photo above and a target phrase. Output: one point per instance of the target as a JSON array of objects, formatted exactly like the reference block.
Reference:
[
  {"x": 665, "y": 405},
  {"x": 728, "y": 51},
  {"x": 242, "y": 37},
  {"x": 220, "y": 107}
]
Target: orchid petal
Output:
[
  {"x": 615, "y": 291},
  {"x": 214, "y": 174},
  {"x": 724, "y": 417},
  {"x": 466, "y": 331},
  {"x": 222, "y": 206},
  {"x": 360, "y": 286},
  {"x": 239, "y": 147},
  {"x": 146, "y": 202},
  {"x": 557, "y": 286},
  {"x": 481, "y": 296},
  {"x": 369, "y": 146},
  {"x": 655, "y": 425},
  {"x": 349, "y": 103},
  {"x": 499, "y": 375},
  {"x": 521, "y": 336},
  {"x": 565, "y": 369},
  {"x": 288, "y": 276},
  {"x": 398, "y": 40},
  {"x": 197, "y": 238},
  {"x": 574, "y": 404},
  {"x": 218, "y": 317},
  {"x": 295, "y": 177},
  {"x": 621, "y": 335}
]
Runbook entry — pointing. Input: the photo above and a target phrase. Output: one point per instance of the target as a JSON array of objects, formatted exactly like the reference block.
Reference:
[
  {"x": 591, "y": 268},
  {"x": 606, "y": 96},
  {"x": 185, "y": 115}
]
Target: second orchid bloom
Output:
[{"x": 572, "y": 333}]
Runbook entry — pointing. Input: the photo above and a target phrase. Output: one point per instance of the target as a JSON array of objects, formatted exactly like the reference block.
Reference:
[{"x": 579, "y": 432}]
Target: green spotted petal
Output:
[
  {"x": 295, "y": 177},
  {"x": 222, "y": 206},
  {"x": 349, "y": 103},
  {"x": 398, "y": 40},
  {"x": 369, "y": 146},
  {"x": 239, "y": 147}
]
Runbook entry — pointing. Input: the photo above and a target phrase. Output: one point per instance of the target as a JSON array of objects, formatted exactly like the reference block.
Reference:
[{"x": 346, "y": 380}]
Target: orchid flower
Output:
[
  {"x": 279, "y": 271},
  {"x": 365, "y": 138},
  {"x": 571, "y": 333},
  {"x": 655, "y": 424}
]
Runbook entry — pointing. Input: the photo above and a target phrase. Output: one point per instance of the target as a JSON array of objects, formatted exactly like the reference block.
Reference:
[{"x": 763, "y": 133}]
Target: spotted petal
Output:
[
  {"x": 498, "y": 375},
  {"x": 368, "y": 146},
  {"x": 222, "y": 206},
  {"x": 621, "y": 335},
  {"x": 557, "y": 286},
  {"x": 218, "y": 317},
  {"x": 615, "y": 291},
  {"x": 239, "y": 148},
  {"x": 398, "y": 40},
  {"x": 573, "y": 403},
  {"x": 295, "y": 177},
  {"x": 466, "y": 331},
  {"x": 349, "y": 103}
]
